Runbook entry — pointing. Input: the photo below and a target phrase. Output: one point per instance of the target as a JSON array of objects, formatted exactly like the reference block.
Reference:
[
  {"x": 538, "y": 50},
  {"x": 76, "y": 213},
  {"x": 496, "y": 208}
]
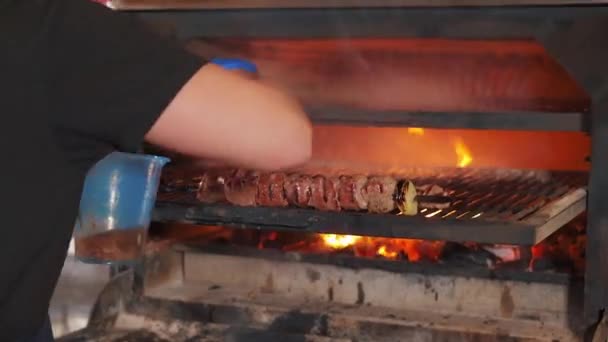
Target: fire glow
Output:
[
  {"x": 413, "y": 250},
  {"x": 564, "y": 251},
  {"x": 336, "y": 241},
  {"x": 464, "y": 154},
  {"x": 410, "y": 249},
  {"x": 415, "y": 131}
]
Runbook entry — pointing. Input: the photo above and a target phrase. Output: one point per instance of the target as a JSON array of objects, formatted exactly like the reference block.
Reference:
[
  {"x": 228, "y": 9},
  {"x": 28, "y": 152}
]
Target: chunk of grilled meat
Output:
[
  {"x": 241, "y": 188},
  {"x": 211, "y": 187},
  {"x": 298, "y": 190},
  {"x": 270, "y": 191},
  {"x": 380, "y": 192}
]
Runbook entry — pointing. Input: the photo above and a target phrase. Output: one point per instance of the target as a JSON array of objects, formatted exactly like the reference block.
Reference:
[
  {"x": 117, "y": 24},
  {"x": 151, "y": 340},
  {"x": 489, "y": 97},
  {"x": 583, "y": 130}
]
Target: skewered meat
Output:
[
  {"x": 360, "y": 194},
  {"x": 380, "y": 192},
  {"x": 324, "y": 193},
  {"x": 270, "y": 190},
  {"x": 332, "y": 184},
  {"x": 211, "y": 188},
  {"x": 298, "y": 190},
  {"x": 263, "y": 195},
  {"x": 377, "y": 194},
  {"x": 346, "y": 193},
  {"x": 351, "y": 195},
  {"x": 242, "y": 188},
  {"x": 291, "y": 190},
  {"x": 317, "y": 193},
  {"x": 277, "y": 193}
]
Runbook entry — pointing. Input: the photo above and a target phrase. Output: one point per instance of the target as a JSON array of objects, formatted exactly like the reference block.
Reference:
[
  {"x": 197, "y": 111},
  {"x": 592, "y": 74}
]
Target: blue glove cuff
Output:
[{"x": 235, "y": 64}]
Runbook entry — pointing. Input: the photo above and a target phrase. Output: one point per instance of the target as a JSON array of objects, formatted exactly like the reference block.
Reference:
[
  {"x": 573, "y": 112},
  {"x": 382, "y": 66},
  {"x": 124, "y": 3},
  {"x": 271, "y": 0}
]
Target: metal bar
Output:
[
  {"x": 260, "y": 4},
  {"x": 535, "y": 121},
  {"x": 553, "y": 209},
  {"x": 391, "y": 226},
  {"x": 578, "y": 45},
  {"x": 309, "y": 220},
  {"x": 490, "y": 23},
  {"x": 596, "y": 275},
  {"x": 560, "y": 213},
  {"x": 467, "y": 23}
]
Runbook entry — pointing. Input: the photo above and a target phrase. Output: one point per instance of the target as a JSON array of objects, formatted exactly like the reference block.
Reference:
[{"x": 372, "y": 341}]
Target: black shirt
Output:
[{"x": 76, "y": 82}]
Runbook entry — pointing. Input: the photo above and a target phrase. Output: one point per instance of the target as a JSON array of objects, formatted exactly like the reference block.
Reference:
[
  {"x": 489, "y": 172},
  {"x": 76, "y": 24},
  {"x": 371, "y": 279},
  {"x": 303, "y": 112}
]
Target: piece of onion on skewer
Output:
[{"x": 406, "y": 198}]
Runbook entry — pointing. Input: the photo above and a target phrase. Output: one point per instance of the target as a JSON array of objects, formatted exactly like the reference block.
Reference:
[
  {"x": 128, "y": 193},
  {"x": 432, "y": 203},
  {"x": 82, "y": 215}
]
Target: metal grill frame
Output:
[
  {"x": 574, "y": 35},
  {"x": 302, "y": 4},
  {"x": 528, "y": 212}
]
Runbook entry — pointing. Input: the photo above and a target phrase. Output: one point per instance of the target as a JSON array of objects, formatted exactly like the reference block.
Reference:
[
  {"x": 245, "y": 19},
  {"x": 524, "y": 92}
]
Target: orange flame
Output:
[
  {"x": 336, "y": 241},
  {"x": 413, "y": 250},
  {"x": 386, "y": 253},
  {"x": 415, "y": 131},
  {"x": 465, "y": 158}
]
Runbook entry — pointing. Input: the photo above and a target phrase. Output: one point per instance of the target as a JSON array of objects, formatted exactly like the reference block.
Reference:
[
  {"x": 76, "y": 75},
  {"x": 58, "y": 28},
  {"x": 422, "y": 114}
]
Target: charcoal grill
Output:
[
  {"x": 530, "y": 205},
  {"x": 573, "y": 35}
]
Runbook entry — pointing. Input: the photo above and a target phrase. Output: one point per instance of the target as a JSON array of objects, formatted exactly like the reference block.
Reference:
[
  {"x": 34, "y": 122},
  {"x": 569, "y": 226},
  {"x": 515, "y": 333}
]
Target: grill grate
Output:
[{"x": 488, "y": 206}]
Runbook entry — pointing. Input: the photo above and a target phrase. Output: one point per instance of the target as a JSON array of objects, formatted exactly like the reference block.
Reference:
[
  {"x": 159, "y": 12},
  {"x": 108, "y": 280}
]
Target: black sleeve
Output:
[{"x": 111, "y": 77}]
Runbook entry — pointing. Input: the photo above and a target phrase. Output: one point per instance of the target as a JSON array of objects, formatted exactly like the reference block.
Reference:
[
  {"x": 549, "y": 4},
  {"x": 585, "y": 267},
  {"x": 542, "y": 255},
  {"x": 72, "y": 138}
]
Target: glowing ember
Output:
[
  {"x": 411, "y": 249},
  {"x": 386, "y": 253},
  {"x": 336, "y": 241},
  {"x": 415, "y": 131},
  {"x": 464, "y": 154},
  {"x": 433, "y": 213},
  {"x": 562, "y": 252}
]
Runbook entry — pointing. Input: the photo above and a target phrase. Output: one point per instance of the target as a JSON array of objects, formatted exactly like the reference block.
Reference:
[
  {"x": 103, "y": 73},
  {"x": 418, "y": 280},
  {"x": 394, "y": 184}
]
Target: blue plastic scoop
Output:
[
  {"x": 116, "y": 207},
  {"x": 118, "y": 198}
]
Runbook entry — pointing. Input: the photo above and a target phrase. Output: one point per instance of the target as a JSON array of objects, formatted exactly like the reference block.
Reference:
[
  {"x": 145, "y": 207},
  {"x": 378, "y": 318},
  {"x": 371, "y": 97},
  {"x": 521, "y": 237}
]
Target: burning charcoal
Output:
[
  {"x": 542, "y": 264},
  {"x": 565, "y": 265},
  {"x": 272, "y": 244},
  {"x": 245, "y": 237},
  {"x": 345, "y": 251},
  {"x": 458, "y": 254},
  {"x": 508, "y": 253},
  {"x": 515, "y": 265},
  {"x": 403, "y": 256},
  {"x": 547, "y": 263}
]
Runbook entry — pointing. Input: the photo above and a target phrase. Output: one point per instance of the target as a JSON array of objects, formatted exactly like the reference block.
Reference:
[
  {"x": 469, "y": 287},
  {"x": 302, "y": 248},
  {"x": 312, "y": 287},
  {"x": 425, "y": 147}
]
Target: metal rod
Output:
[
  {"x": 258, "y": 4},
  {"x": 533, "y": 121}
]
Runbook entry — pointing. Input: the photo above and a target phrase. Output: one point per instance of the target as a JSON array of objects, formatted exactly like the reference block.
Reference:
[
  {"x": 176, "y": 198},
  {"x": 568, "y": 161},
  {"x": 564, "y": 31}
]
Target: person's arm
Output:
[
  {"x": 221, "y": 115},
  {"x": 115, "y": 82}
]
